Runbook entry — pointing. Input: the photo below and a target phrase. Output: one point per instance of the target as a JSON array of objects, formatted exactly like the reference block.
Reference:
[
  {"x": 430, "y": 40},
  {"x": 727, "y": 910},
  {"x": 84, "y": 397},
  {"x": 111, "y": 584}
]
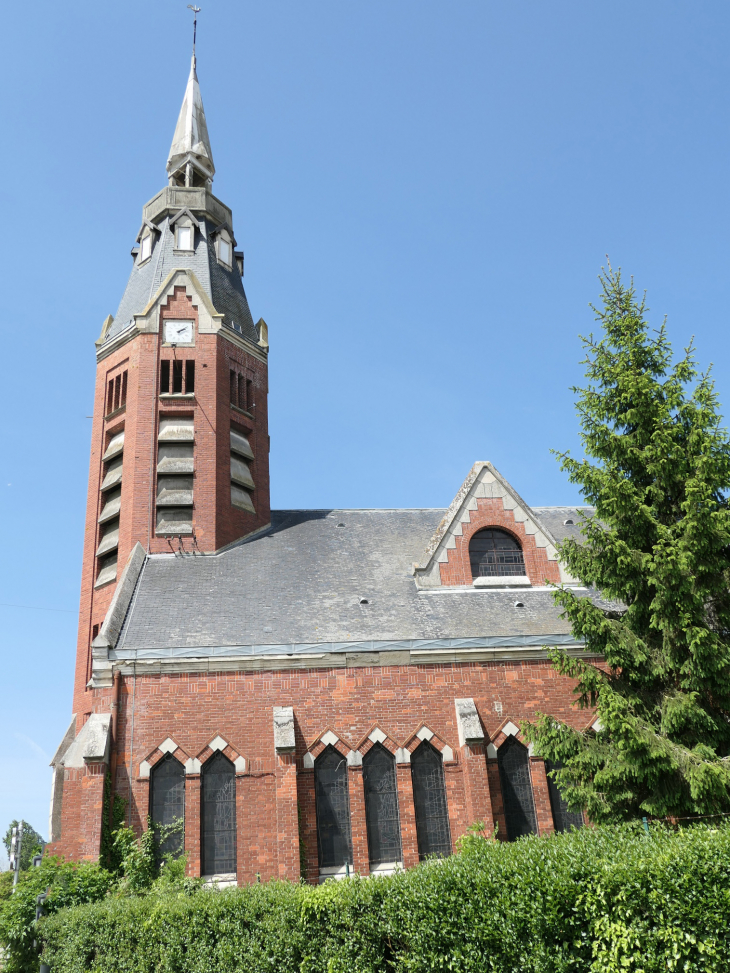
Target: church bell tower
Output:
[{"x": 180, "y": 444}]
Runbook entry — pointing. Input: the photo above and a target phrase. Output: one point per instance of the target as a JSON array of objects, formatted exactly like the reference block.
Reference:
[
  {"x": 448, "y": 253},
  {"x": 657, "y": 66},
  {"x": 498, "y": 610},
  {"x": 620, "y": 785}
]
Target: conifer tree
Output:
[{"x": 657, "y": 551}]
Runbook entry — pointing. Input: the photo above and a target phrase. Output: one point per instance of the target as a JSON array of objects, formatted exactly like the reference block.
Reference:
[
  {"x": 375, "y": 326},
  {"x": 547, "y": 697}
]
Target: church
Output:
[{"x": 312, "y": 693}]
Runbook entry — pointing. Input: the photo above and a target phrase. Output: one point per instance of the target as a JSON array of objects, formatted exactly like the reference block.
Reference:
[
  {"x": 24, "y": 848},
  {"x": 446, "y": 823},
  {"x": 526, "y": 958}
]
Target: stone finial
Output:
[
  {"x": 468, "y": 722},
  {"x": 284, "y": 729}
]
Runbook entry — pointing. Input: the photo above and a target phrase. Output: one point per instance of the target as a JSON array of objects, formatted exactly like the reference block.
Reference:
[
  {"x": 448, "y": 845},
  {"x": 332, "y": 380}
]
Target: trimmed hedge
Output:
[{"x": 602, "y": 900}]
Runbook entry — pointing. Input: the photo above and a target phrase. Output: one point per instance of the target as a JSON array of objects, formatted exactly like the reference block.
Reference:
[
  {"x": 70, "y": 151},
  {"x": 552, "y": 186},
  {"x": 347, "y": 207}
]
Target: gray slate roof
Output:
[
  {"x": 301, "y": 582},
  {"x": 224, "y": 287}
]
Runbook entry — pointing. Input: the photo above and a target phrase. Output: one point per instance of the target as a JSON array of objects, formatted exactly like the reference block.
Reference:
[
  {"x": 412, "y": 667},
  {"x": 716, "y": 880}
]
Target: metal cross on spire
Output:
[{"x": 196, "y": 11}]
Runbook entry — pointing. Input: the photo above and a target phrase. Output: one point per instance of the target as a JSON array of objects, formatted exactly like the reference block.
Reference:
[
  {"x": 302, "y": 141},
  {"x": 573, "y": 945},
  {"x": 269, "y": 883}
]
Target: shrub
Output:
[{"x": 600, "y": 900}]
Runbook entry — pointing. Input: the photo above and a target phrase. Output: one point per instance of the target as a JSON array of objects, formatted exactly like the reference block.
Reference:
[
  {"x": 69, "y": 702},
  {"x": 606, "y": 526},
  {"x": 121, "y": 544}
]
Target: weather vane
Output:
[{"x": 196, "y": 11}]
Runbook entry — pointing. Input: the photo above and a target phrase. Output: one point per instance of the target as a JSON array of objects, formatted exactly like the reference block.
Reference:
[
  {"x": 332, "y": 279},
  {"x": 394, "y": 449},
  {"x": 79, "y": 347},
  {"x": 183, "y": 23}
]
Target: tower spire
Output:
[{"x": 190, "y": 162}]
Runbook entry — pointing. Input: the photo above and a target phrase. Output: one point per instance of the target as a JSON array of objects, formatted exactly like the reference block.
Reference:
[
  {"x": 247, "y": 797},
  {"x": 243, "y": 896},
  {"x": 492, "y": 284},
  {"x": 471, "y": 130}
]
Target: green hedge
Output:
[{"x": 605, "y": 899}]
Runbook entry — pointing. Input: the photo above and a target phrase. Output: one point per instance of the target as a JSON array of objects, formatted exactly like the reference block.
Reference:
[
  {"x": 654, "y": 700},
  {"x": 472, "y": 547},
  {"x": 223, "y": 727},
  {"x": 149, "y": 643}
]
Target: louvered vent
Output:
[
  {"x": 111, "y": 502},
  {"x": 241, "y": 480},
  {"x": 175, "y": 467}
]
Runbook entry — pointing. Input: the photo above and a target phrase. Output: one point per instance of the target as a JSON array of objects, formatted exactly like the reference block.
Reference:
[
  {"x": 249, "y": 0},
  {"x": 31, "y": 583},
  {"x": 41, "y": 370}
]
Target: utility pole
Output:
[{"x": 16, "y": 846}]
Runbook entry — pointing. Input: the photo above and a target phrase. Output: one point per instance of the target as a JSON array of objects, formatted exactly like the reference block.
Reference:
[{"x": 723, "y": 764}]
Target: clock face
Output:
[{"x": 178, "y": 332}]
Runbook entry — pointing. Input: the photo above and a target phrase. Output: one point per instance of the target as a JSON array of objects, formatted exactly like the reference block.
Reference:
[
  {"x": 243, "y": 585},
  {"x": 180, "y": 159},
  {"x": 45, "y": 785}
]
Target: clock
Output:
[{"x": 179, "y": 332}]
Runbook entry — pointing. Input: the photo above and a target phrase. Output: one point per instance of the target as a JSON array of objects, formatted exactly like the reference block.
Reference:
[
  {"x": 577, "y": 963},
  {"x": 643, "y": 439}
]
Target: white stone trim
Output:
[
  {"x": 447, "y": 753},
  {"x": 424, "y": 733},
  {"x": 329, "y": 739},
  {"x": 308, "y": 761},
  {"x": 377, "y": 735},
  {"x": 192, "y": 766},
  {"x": 354, "y": 758},
  {"x": 218, "y": 744},
  {"x": 144, "y": 769},
  {"x": 168, "y": 746},
  {"x": 240, "y": 764},
  {"x": 402, "y": 756},
  {"x": 509, "y": 729}
]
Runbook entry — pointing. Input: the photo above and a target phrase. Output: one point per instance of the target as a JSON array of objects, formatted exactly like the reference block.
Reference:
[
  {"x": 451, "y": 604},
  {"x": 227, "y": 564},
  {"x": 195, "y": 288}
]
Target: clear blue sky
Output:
[{"x": 425, "y": 193}]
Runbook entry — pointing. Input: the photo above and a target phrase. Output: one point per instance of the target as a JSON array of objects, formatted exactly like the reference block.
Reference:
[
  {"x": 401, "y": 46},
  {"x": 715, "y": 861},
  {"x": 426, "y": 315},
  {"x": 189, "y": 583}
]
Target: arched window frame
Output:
[
  {"x": 218, "y": 853},
  {"x": 518, "y": 797},
  {"x": 513, "y": 562},
  {"x": 382, "y": 812},
  {"x": 433, "y": 831},
  {"x": 171, "y": 811},
  {"x": 337, "y": 862},
  {"x": 563, "y": 818}
]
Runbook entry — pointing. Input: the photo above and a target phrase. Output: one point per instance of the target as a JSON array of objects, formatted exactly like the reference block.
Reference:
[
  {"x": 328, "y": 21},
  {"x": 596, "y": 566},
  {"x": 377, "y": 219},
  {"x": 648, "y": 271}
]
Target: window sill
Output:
[
  {"x": 223, "y": 881},
  {"x": 386, "y": 868},
  {"x": 241, "y": 411},
  {"x": 177, "y": 395},
  {"x": 116, "y": 412},
  {"x": 513, "y": 581},
  {"x": 183, "y": 253}
]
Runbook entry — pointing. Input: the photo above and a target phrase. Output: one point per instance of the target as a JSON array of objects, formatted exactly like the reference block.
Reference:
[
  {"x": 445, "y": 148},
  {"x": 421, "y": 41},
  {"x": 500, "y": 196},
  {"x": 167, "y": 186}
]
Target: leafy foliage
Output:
[
  {"x": 32, "y": 843},
  {"x": 658, "y": 473},
  {"x": 140, "y": 872},
  {"x": 598, "y": 900}
]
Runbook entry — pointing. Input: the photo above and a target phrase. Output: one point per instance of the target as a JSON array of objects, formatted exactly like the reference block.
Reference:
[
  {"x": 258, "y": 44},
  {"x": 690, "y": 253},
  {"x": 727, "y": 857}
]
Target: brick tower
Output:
[{"x": 179, "y": 451}]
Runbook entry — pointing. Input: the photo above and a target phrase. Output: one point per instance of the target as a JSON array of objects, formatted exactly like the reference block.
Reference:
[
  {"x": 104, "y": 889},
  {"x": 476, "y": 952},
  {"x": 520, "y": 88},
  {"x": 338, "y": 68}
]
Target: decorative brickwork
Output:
[{"x": 491, "y": 513}]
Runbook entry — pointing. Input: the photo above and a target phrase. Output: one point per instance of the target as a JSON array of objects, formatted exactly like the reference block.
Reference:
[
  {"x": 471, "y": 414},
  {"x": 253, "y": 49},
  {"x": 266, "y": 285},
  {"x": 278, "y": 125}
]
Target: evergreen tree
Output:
[
  {"x": 32, "y": 843},
  {"x": 657, "y": 471}
]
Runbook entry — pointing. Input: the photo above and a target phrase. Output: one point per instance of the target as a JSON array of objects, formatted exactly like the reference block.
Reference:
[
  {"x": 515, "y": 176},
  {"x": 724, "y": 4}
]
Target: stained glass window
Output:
[
  {"x": 333, "y": 809},
  {"x": 429, "y": 797},
  {"x": 381, "y": 805},
  {"x": 495, "y": 553},
  {"x": 219, "y": 816},
  {"x": 167, "y": 801},
  {"x": 563, "y": 818},
  {"x": 514, "y": 774}
]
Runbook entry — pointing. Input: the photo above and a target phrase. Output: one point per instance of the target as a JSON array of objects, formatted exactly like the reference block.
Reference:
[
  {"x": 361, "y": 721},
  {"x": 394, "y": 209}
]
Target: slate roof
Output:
[
  {"x": 301, "y": 581},
  {"x": 224, "y": 287}
]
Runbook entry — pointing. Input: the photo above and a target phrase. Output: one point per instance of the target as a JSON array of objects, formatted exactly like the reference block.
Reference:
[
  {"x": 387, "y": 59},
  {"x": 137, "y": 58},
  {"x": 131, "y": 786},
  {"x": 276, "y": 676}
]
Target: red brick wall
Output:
[
  {"x": 216, "y": 522},
  {"x": 491, "y": 513},
  {"x": 275, "y": 794}
]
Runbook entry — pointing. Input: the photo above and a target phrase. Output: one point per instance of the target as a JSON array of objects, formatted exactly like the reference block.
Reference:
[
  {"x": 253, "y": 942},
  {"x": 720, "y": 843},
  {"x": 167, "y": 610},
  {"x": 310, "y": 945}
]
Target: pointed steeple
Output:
[{"x": 190, "y": 162}]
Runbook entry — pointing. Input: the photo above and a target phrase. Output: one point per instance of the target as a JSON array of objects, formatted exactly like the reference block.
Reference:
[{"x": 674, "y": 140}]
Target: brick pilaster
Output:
[
  {"x": 541, "y": 794},
  {"x": 407, "y": 809},
  {"x": 360, "y": 856},
  {"x": 287, "y": 821},
  {"x": 476, "y": 785},
  {"x": 192, "y": 822}
]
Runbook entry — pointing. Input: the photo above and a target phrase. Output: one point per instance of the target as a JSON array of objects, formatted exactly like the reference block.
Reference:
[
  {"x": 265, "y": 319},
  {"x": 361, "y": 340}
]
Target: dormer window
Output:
[
  {"x": 145, "y": 248},
  {"x": 495, "y": 553},
  {"x": 224, "y": 248},
  {"x": 184, "y": 238}
]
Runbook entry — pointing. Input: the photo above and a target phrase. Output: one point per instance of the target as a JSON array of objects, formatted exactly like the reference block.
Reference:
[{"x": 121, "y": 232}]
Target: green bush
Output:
[{"x": 597, "y": 900}]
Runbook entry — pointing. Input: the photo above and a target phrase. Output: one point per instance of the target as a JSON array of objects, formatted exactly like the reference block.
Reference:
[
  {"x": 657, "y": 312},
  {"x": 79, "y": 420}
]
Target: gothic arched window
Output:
[
  {"x": 381, "y": 806},
  {"x": 429, "y": 798},
  {"x": 219, "y": 816},
  {"x": 167, "y": 801},
  {"x": 332, "y": 800},
  {"x": 494, "y": 553},
  {"x": 514, "y": 775},
  {"x": 563, "y": 818}
]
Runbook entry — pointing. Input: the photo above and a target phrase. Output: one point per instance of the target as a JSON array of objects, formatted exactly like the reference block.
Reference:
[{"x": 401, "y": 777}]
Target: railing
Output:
[{"x": 504, "y": 565}]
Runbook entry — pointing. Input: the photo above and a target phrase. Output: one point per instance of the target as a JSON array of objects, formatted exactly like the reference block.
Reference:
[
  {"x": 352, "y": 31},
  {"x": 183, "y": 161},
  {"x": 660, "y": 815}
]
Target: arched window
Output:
[
  {"x": 495, "y": 554},
  {"x": 381, "y": 806},
  {"x": 514, "y": 775},
  {"x": 563, "y": 818},
  {"x": 167, "y": 801},
  {"x": 429, "y": 798},
  {"x": 333, "y": 809},
  {"x": 219, "y": 816}
]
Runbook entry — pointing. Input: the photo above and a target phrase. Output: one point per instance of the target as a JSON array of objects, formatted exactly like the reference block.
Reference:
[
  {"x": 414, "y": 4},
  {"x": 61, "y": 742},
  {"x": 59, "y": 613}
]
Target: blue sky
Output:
[{"x": 425, "y": 193}]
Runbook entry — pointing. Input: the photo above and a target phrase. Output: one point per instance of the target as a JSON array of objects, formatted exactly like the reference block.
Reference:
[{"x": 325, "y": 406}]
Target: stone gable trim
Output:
[{"x": 483, "y": 482}]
